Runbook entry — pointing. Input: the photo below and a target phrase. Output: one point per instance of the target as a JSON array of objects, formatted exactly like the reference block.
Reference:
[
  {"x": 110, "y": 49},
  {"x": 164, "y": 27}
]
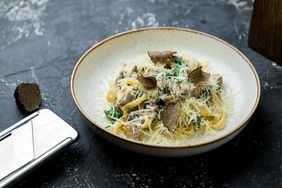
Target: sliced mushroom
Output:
[
  {"x": 197, "y": 75},
  {"x": 170, "y": 116},
  {"x": 147, "y": 81},
  {"x": 163, "y": 57},
  {"x": 132, "y": 132}
]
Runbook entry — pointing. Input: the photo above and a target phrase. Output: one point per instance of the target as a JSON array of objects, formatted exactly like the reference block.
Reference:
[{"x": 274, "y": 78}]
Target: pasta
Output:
[{"x": 168, "y": 101}]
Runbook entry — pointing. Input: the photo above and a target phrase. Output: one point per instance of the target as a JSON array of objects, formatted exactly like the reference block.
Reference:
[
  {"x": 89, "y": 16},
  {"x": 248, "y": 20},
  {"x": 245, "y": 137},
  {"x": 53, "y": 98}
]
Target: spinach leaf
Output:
[{"x": 112, "y": 112}]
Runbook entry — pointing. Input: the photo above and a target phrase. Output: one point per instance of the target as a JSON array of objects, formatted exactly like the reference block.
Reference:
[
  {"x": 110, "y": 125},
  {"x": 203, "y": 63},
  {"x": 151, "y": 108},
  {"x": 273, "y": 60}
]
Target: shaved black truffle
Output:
[{"x": 28, "y": 97}]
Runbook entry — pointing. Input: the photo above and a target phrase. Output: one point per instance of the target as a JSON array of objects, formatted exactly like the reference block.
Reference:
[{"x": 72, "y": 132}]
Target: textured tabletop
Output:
[{"x": 41, "y": 40}]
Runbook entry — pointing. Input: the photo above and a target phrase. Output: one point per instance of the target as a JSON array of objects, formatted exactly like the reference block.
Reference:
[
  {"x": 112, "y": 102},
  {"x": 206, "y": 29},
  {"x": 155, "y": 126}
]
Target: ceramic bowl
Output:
[{"x": 101, "y": 63}]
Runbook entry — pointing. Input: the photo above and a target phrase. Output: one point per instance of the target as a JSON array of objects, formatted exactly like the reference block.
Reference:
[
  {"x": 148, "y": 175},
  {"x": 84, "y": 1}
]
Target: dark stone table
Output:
[{"x": 41, "y": 40}]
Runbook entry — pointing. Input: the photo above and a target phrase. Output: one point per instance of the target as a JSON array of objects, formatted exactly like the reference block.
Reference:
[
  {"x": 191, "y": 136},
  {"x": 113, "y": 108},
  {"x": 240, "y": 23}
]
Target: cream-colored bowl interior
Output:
[{"x": 102, "y": 63}]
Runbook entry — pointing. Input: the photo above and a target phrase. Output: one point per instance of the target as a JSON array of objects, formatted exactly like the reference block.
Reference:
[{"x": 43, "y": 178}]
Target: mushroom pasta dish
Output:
[{"x": 166, "y": 101}]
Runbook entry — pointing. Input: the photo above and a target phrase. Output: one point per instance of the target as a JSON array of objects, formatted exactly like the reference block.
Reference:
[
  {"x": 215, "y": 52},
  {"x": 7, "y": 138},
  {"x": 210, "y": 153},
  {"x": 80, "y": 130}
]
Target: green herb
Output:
[
  {"x": 108, "y": 127},
  {"x": 112, "y": 112},
  {"x": 176, "y": 70},
  {"x": 159, "y": 101},
  {"x": 206, "y": 93},
  {"x": 178, "y": 61},
  {"x": 174, "y": 74},
  {"x": 139, "y": 93},
  {"x": 197, "y": 121},
  {"x": 177, "y": 67},
  {"x": 168, "y": 75}
]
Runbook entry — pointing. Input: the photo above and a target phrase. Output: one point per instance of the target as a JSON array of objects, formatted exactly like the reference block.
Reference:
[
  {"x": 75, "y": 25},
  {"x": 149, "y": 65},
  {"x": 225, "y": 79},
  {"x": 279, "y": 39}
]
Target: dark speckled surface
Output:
[{"x": 41, "y": 40}]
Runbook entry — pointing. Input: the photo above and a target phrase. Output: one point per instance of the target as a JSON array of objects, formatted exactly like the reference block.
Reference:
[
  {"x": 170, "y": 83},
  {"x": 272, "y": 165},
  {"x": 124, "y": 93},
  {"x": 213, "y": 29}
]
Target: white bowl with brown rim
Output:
[{"x": 101, "y": 63}]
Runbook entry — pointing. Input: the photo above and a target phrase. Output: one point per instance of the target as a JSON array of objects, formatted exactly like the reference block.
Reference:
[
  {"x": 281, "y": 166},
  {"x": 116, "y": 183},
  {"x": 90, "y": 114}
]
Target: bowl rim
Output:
[{"x": 216, "y": 139}]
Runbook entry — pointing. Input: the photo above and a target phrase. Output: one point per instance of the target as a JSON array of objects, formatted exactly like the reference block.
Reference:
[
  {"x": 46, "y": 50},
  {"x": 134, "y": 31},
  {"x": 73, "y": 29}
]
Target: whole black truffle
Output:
[{"x": 28, "y": 97}]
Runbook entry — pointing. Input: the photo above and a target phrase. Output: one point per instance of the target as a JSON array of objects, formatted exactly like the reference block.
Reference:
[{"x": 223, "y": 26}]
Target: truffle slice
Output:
[
  {"x": 170, "y": 116},
  {"x": 28, "y": 97},
  {"x": 197, "y": 75},
  {"x": 147, "y": 81},
  {"x": 163, "y": 57}
]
